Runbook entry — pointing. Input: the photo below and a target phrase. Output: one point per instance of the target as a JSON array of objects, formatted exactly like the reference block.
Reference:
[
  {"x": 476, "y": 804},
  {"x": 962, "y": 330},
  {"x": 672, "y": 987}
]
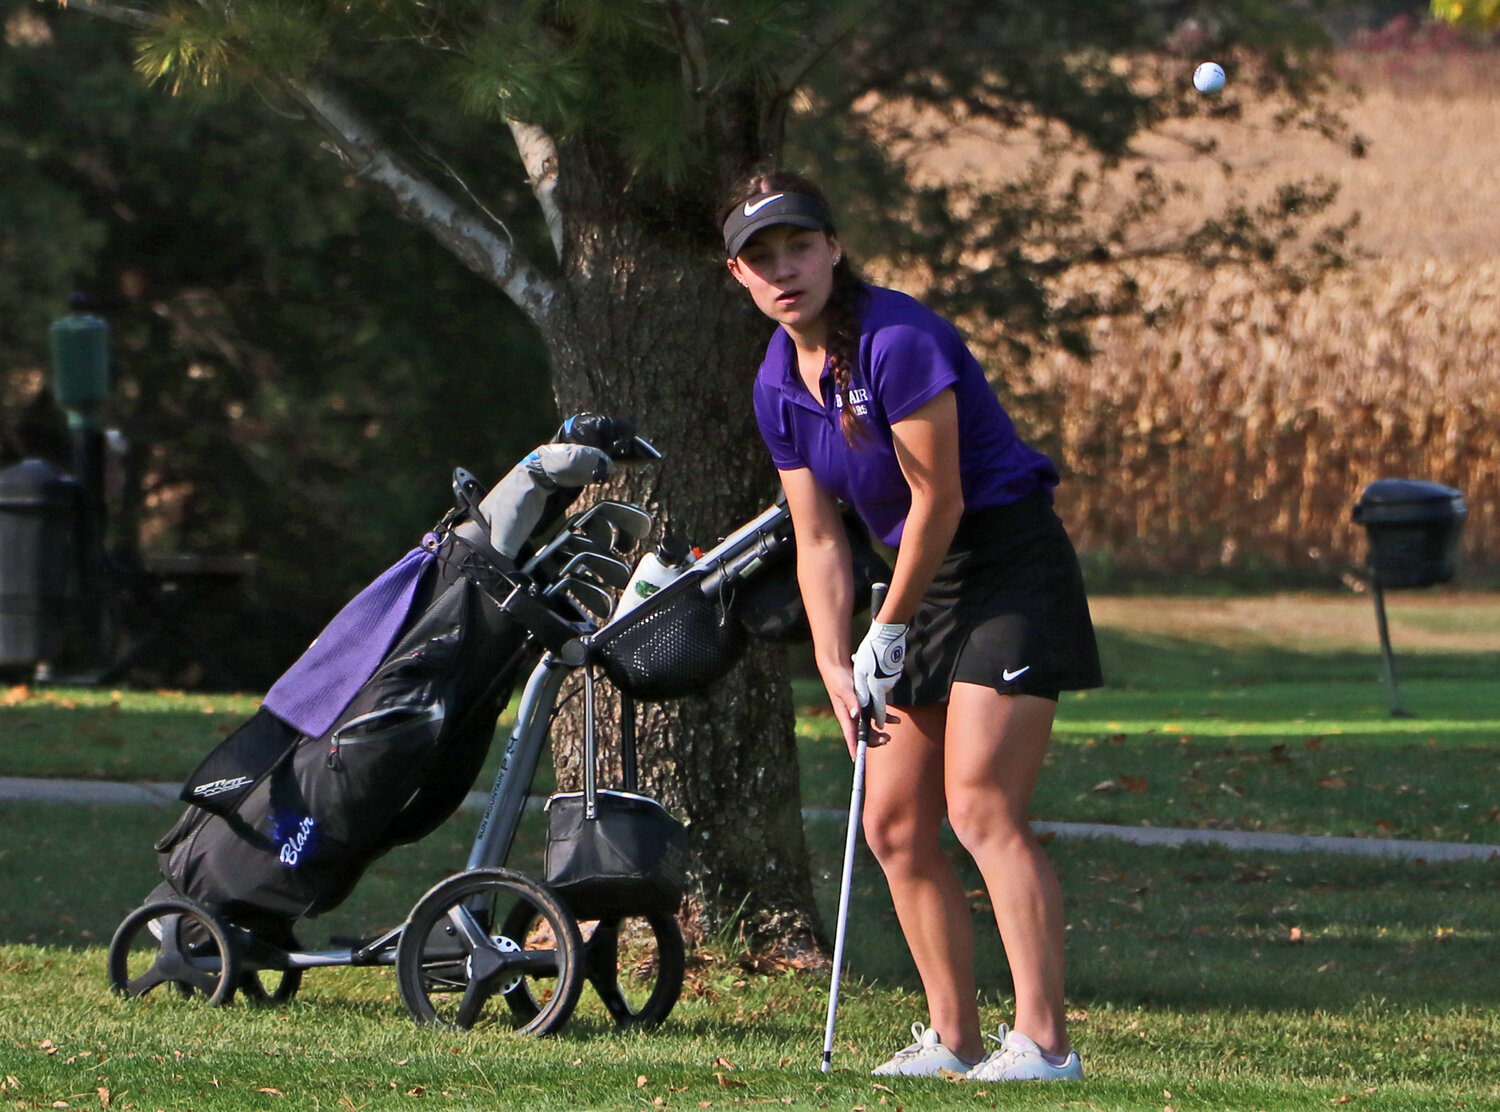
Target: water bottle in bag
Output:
[{"x": 656, "y": 569}]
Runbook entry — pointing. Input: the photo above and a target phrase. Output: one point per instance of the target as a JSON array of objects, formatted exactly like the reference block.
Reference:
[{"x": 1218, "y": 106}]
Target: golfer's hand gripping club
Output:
[
  {"x": 878, "y": 662},
  {"x": 851, "y": 836}
]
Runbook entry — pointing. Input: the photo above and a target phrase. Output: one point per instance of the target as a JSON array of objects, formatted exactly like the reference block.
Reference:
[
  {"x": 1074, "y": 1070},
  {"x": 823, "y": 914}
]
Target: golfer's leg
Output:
[
  {"x": 903, "y": 816},
  {"x": 994, "y": 751}
]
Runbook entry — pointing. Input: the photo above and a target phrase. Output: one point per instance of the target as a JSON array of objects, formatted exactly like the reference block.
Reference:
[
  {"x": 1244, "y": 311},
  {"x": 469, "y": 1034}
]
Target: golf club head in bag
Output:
[{"x": 614, "y": 436}]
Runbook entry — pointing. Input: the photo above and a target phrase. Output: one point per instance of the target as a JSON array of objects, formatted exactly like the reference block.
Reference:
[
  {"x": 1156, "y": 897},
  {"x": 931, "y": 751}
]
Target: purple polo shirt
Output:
[{"x": 907, "y": 356}]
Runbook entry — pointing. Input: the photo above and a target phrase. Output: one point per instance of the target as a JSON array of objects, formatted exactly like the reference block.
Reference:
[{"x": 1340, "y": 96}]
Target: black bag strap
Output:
[{"x": 467, "y": 494}]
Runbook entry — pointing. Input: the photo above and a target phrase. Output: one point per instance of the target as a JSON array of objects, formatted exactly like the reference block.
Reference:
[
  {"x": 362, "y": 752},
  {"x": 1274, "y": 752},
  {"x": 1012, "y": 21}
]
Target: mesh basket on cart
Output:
[{"x": 675, "y": 644}]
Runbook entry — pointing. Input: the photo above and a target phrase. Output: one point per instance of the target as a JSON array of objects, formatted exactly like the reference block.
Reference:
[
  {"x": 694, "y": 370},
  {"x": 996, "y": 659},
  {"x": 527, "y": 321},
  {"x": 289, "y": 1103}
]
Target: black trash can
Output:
[
  {"x": 39, "y": 507},
  {"x": 1413, "y": 528}
]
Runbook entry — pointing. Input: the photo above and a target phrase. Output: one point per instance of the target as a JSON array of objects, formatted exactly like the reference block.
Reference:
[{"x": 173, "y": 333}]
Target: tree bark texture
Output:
[{"x": 658, "y": 333}]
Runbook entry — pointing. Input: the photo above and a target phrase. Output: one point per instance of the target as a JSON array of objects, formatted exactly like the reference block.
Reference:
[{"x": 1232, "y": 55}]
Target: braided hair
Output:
[{"x": 845, "y": 299}]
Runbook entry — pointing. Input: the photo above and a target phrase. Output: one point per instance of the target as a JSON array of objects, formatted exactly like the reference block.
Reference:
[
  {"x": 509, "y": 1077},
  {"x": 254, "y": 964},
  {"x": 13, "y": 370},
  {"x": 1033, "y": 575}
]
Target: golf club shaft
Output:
[{"x": 851, "y": 838}]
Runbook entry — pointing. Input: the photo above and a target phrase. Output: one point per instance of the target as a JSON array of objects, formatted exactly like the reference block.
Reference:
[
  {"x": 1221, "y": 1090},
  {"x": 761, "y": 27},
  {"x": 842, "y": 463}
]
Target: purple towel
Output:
[{"x": 313, "y": 692}]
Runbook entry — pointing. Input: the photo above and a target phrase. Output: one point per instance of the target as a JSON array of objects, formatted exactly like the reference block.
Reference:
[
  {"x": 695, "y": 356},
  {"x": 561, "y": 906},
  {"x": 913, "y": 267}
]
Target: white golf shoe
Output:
[
  {"x": 1020, "y": 1059},
  {"x": 927, "y": 1057}
]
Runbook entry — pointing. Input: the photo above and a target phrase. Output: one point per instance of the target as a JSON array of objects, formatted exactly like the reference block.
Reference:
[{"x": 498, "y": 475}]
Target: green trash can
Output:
[{"x": 39, "y": 586}]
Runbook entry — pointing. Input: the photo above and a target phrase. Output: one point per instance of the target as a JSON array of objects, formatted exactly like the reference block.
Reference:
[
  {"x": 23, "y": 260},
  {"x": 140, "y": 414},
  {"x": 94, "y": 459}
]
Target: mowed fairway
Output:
[{"x": 1199, "y": 978}]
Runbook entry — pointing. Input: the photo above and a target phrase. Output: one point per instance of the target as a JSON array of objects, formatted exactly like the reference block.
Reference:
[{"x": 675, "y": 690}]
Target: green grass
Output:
[
  {"x": 1198, "y": 978},
  {"x": 1294, "y": 757},
  {"x": 1229, "y": 981}
]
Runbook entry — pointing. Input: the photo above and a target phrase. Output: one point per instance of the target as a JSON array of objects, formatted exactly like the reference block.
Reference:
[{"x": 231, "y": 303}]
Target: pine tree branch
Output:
[
  {"x": 834, "y": 28},
  {"x": 419, "y": 200},
  {"x": 691, "y": 48},
  {"x": 475, "y": 244},
  {"x": 115, "y": 13},
  {"x": 539, "y": 154}
]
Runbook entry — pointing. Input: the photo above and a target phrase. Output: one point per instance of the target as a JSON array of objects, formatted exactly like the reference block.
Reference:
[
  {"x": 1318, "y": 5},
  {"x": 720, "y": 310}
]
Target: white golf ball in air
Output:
[{"x": 1209, "y": 77}]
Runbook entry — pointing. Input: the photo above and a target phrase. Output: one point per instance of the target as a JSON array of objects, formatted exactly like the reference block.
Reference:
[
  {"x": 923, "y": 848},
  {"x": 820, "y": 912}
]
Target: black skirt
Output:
[{"x": 1006, "y": 610}]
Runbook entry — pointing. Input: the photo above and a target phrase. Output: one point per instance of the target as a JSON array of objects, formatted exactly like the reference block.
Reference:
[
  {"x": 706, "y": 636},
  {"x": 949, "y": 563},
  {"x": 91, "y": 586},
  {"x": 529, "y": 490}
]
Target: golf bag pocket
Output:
[
  {"x": 239, "y": 762},
  {"x": 627, "y": 860},
  {"x": 769, "y": 603}
]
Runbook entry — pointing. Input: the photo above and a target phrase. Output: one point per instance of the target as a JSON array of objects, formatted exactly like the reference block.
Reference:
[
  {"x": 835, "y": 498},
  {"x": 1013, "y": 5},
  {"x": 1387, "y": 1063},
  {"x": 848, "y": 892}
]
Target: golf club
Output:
[
  {"x": 609, "y": 571},
  {"x": 856, "y": 797}
]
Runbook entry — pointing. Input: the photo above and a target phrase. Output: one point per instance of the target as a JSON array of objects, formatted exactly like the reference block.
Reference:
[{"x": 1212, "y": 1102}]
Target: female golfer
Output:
[{"x": 865, "y": 396}]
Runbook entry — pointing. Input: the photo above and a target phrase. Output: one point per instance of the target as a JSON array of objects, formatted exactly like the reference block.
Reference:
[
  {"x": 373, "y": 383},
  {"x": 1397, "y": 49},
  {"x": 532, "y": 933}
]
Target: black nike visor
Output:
[{"x": 769, "y": 210}]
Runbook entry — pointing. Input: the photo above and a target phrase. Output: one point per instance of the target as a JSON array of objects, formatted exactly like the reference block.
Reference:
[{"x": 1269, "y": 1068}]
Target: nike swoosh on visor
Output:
[{"x": 751, "y": 210}]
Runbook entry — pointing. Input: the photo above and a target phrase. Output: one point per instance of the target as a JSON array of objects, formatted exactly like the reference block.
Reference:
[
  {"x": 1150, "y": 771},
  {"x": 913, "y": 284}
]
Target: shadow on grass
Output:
[
  {"x": 1159, "y": 660},
  {"x": 1202, "y": 928},
  {"x": 1189, "y": 927}
]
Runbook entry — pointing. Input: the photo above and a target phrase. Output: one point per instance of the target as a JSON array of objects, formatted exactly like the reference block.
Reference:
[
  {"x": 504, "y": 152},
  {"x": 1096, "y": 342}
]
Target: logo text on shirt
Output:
[{"x": 859, "y": 397}]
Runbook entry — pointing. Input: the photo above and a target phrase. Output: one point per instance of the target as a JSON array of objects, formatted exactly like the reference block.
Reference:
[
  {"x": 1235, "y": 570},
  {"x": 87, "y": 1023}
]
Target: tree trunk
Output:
[{"x": 657, "y": 333}]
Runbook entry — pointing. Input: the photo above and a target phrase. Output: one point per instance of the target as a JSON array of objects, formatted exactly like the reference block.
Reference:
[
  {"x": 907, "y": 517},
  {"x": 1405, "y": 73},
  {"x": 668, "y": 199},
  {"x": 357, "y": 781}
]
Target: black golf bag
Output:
[
  {"x": 319, "y": 810},
  {"x": 283, "y": 821}
]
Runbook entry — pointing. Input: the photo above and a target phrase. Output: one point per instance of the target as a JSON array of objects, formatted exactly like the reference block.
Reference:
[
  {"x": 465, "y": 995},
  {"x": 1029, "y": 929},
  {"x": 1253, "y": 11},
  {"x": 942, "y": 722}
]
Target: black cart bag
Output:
[
  {"x": 397, "y": 763},
  {"x": 373, "y": 738}
]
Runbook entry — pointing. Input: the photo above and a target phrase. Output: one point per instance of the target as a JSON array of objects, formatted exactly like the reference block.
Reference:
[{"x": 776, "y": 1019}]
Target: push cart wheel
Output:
[
  {"x": 453, "y": 967},
  {"x": 270, "y": 986},
  {"x": 636, "y": 964},
  {"x": 173, "y": 942}
]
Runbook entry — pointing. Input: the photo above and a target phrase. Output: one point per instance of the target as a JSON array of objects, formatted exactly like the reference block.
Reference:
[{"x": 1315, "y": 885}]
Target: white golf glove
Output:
[{"x": 877, "y": 666}]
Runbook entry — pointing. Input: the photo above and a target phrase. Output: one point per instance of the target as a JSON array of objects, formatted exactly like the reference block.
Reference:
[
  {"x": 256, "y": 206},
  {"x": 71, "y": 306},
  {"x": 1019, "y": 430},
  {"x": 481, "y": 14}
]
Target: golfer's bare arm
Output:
[
  {"x": 927, "y": 450},
  {"x": 825, "y": 575}
]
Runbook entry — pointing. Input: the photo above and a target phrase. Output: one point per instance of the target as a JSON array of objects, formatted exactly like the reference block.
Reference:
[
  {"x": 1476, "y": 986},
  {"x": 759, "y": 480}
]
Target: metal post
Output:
[
  {"x": 629, "y": 770},
  {"x": 1387, "y": 660}
]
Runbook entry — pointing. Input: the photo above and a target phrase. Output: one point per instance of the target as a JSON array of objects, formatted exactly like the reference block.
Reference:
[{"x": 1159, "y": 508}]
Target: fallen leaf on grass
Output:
[
  {"x": 1243, "y": 873},
  {"x": 1133, "y": 783},
  {"x": 730, "y": 1083},
  {"x": 642, "y": 1081},
  {"x": 1333, "y": 782},
  {"x": 885, "y": 1088},
  {"x": 724, "y": 1063},
  {"x": 273, "y": 1092}
]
